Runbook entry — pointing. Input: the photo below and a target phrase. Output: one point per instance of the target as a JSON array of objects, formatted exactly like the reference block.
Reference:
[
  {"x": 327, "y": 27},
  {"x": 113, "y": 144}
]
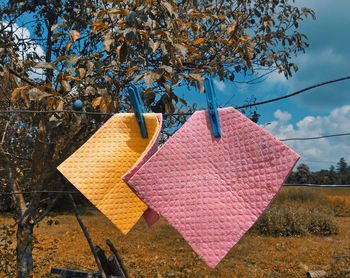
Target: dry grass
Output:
[
  {"x": 299, "y": 195},
  {"x": 162, "y": 252}
]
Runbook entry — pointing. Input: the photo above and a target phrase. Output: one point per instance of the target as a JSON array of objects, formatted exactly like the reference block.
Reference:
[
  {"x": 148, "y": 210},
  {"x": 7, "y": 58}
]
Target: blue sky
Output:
[{"x": 325, "y": 110}]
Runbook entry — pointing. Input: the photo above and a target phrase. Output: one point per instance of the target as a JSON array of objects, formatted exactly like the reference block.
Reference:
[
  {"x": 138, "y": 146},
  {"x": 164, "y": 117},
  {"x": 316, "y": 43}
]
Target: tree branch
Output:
[
  {"x": 87, "y": 235},
  {"x": 23, "y": 78},
  {"x": 48, "y": 209},
  {"x": 119, "y": 259},
  {"x": 18, "y": 198}
]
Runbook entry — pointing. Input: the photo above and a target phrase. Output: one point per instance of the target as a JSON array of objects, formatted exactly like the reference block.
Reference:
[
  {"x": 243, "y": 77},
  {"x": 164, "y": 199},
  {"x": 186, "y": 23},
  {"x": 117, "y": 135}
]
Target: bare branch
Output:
[
  {"x": 23, "y": 78},
  {"x": 119, "y": 259},
  {"x": 48, "y": 209},
  {"x": 4, "y": 134},
  {"x": 87, "y": 235},
  {"x": 18, "y": 198}
]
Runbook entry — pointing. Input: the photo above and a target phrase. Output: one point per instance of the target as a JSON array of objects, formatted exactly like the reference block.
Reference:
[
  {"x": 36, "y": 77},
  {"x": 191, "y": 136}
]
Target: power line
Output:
[
  {"x": 184, "y": 113},
  {"x": 295, "y": 93},
  {"x": 315, "y": 138},
  {"x": 75, "y": 192},
  {"x": 319, "y": 161},
  {"x": 317, "y": 185},
  {"x": 40, "y": 191},
  {"x": 54, "y": 111}
]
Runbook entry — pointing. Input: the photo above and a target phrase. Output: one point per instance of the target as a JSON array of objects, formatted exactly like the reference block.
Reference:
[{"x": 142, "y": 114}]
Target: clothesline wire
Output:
[
  {"x": 75, "y": 192},
  {"x": 295, "y": 93},
  {"x": 185, "y": 113},
  {"x": 316, "y": 137}
]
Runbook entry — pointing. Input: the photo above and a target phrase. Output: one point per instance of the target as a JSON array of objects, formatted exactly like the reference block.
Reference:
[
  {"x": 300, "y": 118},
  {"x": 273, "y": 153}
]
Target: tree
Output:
[
  {"x": 333, "y": 175},
  {"x": 94, "y": 50},
  {"x": 303, "y": 174},
  {"x": 343, "y": 171},
  {"x": 342, "y": 166}
]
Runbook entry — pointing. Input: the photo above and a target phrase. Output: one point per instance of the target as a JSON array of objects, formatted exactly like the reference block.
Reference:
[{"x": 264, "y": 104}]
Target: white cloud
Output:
[
  {"x": 274, "y": 79},
  {"x": 22, "y": 33},
  {"x": 220, "y": 85},
  {"x": 315, "y": 152},
  {"x": 282, "y": 116}
]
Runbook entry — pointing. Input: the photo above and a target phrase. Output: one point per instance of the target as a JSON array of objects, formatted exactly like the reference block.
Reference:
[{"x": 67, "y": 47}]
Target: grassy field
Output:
[{"x": 303, "y": 229}]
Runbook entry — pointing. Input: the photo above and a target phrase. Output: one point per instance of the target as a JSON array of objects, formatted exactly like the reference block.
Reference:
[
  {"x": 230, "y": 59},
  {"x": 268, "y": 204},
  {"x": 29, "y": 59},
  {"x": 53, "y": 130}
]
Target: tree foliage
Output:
[
  {"x": 100, "y": 47},
  {"x": 339, "y": 175}
]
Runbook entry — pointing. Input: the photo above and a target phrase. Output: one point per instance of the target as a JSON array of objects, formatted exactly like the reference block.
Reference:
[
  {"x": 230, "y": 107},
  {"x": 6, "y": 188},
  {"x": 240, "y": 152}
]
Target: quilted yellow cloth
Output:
[{"x": 96, "y": 168}]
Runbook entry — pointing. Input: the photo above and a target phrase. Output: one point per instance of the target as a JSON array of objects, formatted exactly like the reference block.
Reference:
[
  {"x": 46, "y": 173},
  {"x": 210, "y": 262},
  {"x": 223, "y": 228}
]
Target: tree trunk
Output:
[{"x": 24, "y": 250}]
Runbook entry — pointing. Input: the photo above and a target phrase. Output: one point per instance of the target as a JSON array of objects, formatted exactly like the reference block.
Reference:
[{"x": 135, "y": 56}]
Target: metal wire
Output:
[
  {"x": 315, "y": 138},
  {"x": 75, "y": 192},
  {"x": 186, "y": 113}
]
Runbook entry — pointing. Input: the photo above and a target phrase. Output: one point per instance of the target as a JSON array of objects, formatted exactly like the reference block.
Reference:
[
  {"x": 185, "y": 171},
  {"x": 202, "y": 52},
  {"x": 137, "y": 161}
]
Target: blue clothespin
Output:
[
  {"x": 139, "y": 109},
  {"x": 212, "y": 107}
]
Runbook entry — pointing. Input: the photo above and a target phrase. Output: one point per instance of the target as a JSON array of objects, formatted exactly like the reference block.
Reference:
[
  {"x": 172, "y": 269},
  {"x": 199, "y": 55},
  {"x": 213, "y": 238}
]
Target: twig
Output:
[
  {"x": 23, "y": 78},
  {"x": 48, "y": 209},
  {"x": 119, "y": 259},
  {"x": 87, "y": 235},
  {"x": 4, "y": 134}
]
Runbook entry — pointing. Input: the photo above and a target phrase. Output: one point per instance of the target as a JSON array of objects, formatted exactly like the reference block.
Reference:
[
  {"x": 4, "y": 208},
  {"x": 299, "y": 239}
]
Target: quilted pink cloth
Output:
[{"x": 212, "y": 190}]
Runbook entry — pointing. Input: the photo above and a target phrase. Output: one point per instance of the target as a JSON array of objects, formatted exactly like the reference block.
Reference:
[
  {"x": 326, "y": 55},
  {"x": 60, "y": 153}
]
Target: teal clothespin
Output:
[
  {"x": 139, "y": 109},
  {"x": 212, "y": 107}
]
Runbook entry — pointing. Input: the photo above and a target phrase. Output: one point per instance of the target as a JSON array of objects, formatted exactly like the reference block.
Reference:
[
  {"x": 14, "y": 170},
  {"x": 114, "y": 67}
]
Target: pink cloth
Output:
[{"x": 212, "y": 190}]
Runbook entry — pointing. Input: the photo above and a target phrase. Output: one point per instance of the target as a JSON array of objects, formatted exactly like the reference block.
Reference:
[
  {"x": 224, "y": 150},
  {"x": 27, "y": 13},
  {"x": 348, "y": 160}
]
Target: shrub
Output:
[
  {"x": 338, "y": 207},
  {"x": 285, "y": 221},
  {"x": 321, "y": 225}
]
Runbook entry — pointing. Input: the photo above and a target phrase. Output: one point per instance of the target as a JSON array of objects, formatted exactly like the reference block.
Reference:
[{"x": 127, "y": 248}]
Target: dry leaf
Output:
[
  {"x": 232, "y": 27},
  {"x": 196, "y": 76},
  {"x": 37, "y": 95},
  {"x": 166, "y": 68},
  {"x": 65, "y": 84},
  {"x": 96, "y": 102},
  {"x": 107, "y": 42},
  {"x": 17, "y": 93},
  {"x": 90, "y": 90},
  {"x": 198, "y": 41},
  {"x": 82, "y": 72},
  {"x": 155, "y": 46},
  {"x": 98, "y": 25},
  {"x": 171, "y": 9},
  {"x": 151, "y": 77},
  {"x": 54, "y": 27},
  {"x": 181, "y": 49},
  {"x": 68, "y": 45},
  {"x": 60, "y": 105},
  {"x": 60, "y": 59},
  {"x": 74, "y": 35},
  {"x": 45, "y": 65}
]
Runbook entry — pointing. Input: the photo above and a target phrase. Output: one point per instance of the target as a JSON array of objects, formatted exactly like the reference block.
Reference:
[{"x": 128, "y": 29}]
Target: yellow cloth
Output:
[{"x": 96, "y": 168}]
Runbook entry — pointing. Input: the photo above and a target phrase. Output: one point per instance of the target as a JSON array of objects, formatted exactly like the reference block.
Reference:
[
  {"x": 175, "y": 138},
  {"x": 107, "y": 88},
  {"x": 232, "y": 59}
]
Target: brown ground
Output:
[{"x": 161, "y": 252}]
